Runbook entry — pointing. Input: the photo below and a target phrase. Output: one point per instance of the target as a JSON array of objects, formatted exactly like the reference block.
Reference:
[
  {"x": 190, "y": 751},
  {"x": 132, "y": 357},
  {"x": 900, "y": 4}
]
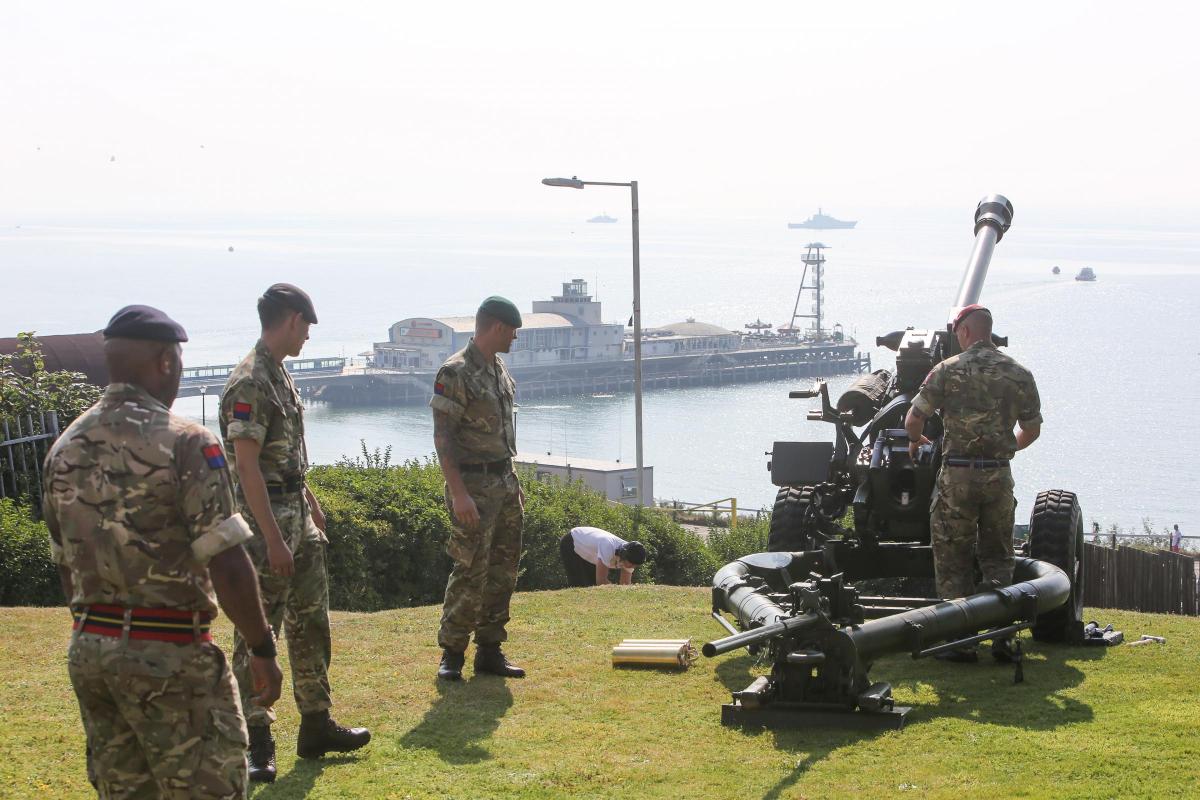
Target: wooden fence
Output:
[{"x": 1138, "y": 580}]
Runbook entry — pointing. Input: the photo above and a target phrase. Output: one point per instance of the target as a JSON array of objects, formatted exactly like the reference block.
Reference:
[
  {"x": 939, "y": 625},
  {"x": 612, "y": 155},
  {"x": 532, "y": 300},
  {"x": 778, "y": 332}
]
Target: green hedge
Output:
[
  {"x": 388, "y": 527},
  {"x": 27, "y": 575}
]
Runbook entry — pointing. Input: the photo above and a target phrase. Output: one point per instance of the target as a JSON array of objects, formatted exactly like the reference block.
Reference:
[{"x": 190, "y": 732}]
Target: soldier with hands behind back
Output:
[
  {"x": 143, "y": 528},
  {"x": 473, "y": 399},
  {"x": 982, "y": 393},
  {"x": 262, "y": 423}
]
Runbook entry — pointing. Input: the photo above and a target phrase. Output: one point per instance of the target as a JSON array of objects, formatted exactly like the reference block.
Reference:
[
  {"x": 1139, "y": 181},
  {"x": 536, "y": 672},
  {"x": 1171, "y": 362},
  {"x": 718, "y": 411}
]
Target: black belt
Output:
[
  {"x": 488, "y": 467},
  {"x": 292, "y": 485},
  {"x": 976, "y": 463}
]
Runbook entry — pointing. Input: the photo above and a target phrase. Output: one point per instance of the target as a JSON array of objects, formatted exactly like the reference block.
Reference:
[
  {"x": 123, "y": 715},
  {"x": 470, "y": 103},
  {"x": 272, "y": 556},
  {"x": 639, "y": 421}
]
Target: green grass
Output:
[{"x": 1086, "y": 723}]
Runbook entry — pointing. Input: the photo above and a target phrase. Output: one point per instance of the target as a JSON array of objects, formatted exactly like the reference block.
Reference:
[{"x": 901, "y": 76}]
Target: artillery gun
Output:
[{"x": 799, "y": 602}]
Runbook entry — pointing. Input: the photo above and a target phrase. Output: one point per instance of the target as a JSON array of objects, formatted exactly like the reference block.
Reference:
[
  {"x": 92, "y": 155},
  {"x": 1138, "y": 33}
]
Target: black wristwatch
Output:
[{"x": 266, "y": 649}]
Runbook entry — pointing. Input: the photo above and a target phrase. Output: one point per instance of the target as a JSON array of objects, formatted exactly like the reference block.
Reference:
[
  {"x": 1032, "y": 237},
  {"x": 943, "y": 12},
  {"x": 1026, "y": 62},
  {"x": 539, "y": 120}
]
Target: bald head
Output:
[
  {"x": 154, "y": 366},
  {"x": 974, "y": 327}
]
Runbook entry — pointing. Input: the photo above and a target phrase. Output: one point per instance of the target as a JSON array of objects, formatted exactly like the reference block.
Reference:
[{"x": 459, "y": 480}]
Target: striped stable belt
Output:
[{"x": 150, "y": 624}]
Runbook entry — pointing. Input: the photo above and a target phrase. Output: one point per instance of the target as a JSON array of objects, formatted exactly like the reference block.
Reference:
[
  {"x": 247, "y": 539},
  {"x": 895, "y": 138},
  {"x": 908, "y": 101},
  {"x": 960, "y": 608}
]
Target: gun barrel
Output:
[
  {"x": 1048, "y": 585},
  {"x": 759, "y": 635},
  {"x": 993, "y": 216}
]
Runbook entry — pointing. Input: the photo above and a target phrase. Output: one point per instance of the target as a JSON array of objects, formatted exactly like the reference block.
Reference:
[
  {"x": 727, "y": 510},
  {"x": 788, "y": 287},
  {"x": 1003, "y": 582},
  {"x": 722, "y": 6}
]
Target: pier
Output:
[
  {"x": 374, "y": 386},
  {"x": 210, "y": 379}
]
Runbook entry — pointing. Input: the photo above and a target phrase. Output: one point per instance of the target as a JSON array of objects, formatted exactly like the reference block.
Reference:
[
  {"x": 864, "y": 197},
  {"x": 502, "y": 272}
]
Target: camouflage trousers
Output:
[
  {"x": 301, "y": 603},
  {"x": 162, "y": 720},
  {"x": 485, "y": 563},
  {"x": 972, "y": 520}
]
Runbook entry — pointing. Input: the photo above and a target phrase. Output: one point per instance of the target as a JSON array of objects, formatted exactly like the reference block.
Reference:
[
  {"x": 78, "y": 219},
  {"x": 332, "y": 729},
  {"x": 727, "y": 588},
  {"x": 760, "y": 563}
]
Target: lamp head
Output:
[{"x": 568, "y": 183}]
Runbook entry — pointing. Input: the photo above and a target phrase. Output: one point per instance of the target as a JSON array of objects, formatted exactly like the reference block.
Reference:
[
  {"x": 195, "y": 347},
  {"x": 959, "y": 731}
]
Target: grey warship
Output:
[{"x": 822, "y": 222}]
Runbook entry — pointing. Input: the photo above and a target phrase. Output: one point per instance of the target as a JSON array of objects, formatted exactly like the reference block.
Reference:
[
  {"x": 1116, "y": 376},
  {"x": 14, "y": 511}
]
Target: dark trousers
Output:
[{"x": 580, "y": 572}]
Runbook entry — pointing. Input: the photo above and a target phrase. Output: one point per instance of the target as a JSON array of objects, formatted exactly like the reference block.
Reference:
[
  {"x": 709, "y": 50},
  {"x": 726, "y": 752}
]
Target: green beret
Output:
[{"x": 501, "y": 309}]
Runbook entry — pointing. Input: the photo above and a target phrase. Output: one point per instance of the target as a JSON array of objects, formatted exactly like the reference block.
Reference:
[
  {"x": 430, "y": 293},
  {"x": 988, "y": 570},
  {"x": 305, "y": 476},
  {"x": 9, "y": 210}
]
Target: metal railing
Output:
[
  {"x": 677, "y": 507},
  {"x": 24, "y": 442}
]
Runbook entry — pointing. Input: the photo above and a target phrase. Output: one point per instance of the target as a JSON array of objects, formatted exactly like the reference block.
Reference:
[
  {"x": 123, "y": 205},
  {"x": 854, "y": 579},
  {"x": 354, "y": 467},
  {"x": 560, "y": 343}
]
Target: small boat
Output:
[
  {"x": 603, "y": 218},
  {"x": 1086, "y": 274},
  {"x": 1056, "y": 270}
]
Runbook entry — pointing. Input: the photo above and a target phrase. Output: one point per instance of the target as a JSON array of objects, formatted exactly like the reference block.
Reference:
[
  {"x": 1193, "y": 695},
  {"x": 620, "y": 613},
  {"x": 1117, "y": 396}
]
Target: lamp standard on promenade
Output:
[{"x": 575, "y": 183}]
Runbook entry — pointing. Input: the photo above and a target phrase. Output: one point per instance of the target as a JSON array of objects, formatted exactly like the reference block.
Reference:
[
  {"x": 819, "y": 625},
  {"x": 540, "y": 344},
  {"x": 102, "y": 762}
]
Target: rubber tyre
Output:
[
  {"x": 1056, "y": 537},
  {"x": 787, "y": 520}
]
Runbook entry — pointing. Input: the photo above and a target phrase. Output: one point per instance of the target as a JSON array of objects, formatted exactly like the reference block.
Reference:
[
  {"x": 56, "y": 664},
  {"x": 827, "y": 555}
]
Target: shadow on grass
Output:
[
  {"x": 464, "y": 715},
  {"x": 300, "y": 780},
  {"x": 981, "y": 692}
]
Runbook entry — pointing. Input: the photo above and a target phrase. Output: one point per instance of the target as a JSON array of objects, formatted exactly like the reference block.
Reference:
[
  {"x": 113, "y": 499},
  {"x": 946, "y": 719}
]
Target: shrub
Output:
[
  {"x": 727, "y": 544},
  {"x": 27, "y": 575},
  {"x": 388, "y": 527}
]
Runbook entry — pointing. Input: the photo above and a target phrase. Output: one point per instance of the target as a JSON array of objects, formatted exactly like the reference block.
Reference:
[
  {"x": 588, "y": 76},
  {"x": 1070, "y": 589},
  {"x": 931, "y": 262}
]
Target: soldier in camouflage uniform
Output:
[
  {"x": 143, "y": 529},
  {"x": 262, "y": 423},
  {"x": 475, "y": 439},
  {"x": 981, "y": 393}
]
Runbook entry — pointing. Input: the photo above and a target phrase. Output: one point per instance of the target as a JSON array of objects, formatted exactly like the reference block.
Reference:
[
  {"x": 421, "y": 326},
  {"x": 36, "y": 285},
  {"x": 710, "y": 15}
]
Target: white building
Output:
[
  {"x": 689, "y": 336},
  {"x": 566, "y": 328},
  {"x": 614, "y": 480}
]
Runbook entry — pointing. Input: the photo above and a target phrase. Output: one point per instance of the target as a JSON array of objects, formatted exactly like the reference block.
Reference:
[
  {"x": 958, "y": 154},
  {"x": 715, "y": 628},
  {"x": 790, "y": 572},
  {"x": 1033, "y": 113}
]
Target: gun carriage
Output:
[{"x": 858, "y": 509}]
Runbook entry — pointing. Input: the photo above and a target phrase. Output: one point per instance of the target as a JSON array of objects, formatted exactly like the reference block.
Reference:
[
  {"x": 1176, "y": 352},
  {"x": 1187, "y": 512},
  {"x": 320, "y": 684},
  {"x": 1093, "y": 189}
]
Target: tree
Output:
[{"x": 27, "y": 387}]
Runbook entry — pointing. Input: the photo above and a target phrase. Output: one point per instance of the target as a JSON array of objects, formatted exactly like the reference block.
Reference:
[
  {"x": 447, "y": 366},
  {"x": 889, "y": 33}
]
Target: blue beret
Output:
[
  {"x": 144, "y": 322},
  {"x": 502, "y": 309},
  {"x": 293, "y": 297}
]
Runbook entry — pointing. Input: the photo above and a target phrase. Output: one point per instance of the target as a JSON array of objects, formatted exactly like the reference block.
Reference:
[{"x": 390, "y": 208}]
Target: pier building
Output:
[{"x": 564, "y": 329}]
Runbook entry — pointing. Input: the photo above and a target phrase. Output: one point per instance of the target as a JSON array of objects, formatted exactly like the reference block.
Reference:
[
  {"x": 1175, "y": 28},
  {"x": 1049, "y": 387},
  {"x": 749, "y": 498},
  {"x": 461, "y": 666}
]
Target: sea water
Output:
[{"x": 1116, "y": 361}]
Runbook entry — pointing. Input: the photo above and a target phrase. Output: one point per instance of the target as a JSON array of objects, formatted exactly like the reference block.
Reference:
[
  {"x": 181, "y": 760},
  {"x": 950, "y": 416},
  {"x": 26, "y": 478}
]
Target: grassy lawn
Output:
[{"x": 1086, "y": 723}]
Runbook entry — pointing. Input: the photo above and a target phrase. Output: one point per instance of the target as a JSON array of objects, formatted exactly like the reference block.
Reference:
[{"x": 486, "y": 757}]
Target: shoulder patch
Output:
[
  {"x": 214, "y": 455},
  {"x": 242, "y": 411},
  {"x": 439, "y": 388}
]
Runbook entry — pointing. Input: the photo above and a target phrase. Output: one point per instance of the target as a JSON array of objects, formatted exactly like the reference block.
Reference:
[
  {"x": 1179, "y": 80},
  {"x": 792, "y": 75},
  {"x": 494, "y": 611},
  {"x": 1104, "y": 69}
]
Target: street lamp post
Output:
[{"x": 575, "y": 183}]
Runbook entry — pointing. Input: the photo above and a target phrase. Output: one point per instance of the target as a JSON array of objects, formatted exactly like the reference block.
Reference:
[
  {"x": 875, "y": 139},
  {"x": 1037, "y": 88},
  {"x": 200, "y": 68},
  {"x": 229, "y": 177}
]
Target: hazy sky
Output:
[{"x": 718, "y": 109}]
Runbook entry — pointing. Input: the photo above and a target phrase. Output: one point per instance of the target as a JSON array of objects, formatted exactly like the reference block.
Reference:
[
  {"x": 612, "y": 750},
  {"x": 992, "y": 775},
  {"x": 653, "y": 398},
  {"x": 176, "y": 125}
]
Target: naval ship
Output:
[{"x": 821, "y": 222}]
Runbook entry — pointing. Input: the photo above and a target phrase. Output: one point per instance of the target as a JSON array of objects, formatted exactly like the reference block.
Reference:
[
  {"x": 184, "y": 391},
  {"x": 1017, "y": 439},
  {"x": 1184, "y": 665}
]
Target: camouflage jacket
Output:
[
  {"x": 478, "y": 397},
  {"x": 982, "y": 393},
  {"x": 137, "y": 501},
  {"x": 260, "y": 402}
]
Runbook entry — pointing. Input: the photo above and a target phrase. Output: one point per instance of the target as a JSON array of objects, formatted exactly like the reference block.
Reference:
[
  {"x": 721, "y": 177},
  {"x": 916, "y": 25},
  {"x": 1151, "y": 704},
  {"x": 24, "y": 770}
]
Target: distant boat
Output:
[
  {"x": 1056, "y": 270},
  {"x": 820, "y": 221},
  {"x": 603, "y": 218},
  {"x": 1086, "y": 274}
]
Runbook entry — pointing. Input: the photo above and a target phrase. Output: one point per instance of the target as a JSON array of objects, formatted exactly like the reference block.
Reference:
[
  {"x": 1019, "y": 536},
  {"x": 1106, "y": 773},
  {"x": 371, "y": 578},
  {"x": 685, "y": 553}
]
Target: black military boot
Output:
[
  {"x": 490, "y": 659},
  {"x": 452, "y": 664},
  {"x": 320, "y": 734},
  {"x": 261, "y": 756},
  {"x": 1006, "y": 651}
]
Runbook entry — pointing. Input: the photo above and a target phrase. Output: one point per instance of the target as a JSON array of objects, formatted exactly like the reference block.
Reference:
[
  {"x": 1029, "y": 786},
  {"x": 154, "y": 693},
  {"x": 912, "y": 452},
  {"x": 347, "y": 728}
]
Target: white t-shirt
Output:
[{"x": 596, "y": 545}]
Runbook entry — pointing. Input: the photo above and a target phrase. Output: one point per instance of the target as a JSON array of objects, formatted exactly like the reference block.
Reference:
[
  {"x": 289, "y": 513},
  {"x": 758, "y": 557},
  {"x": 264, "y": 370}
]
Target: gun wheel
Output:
[
  {"x": 792, "y": 520},
  {"x": 1056, "y": 537}
]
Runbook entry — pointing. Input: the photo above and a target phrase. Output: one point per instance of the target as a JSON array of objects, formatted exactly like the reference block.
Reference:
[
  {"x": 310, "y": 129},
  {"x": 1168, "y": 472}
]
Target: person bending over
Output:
[{"x": 589, "y": 554}]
